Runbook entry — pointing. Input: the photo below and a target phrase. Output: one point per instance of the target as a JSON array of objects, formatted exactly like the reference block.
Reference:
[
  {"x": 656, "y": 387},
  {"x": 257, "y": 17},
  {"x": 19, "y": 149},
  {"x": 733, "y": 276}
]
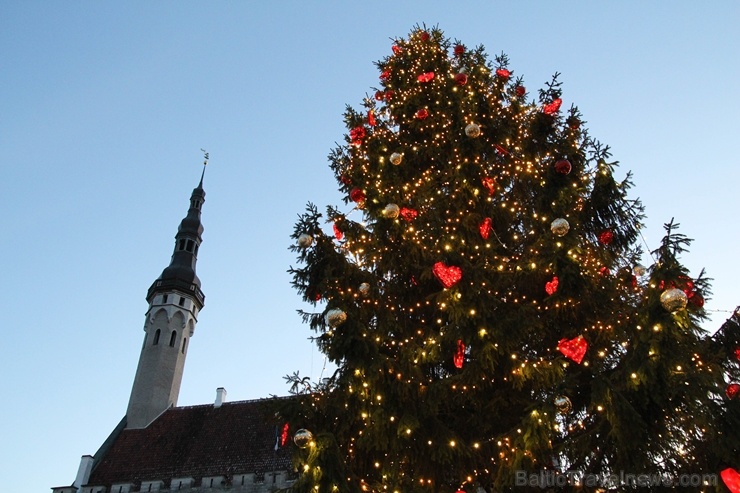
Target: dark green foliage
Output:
[{"x": 445, "y": 388}]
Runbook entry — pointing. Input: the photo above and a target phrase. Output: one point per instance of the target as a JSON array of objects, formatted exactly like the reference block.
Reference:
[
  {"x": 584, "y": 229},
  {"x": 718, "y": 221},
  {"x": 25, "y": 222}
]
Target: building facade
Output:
[{"x": 158, "y": 446}]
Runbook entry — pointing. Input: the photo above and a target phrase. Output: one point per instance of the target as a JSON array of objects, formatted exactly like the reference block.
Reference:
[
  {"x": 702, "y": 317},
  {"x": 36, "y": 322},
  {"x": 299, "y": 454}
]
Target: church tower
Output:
[{"x": 175, "y": 299}]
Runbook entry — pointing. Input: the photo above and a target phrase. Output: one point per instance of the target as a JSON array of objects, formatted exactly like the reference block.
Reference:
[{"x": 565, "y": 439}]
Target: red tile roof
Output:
[{"x": 197, "y": 442}]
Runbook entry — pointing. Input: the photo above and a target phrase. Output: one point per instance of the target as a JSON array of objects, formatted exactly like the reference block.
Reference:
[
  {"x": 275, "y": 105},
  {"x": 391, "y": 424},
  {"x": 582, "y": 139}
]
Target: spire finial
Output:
[{"x": 205, "y": 163}]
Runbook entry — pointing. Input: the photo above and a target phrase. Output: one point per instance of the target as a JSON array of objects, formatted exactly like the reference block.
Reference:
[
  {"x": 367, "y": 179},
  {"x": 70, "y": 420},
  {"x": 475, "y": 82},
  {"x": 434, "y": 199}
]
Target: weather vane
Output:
[{"x": 205, "y": 156}]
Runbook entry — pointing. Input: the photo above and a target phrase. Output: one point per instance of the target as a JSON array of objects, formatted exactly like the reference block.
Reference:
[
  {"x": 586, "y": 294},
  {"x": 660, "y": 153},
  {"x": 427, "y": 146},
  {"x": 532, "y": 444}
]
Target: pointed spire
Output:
[
  {"x": 180, "y": 274},
  {"x": 205, "y": 164}
]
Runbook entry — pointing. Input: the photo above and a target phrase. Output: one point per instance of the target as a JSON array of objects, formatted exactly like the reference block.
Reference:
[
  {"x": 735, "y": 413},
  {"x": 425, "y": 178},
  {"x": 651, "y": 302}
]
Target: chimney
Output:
[
  {"x": 220, "y": 397},
  {"x": 83, "y": 473}
]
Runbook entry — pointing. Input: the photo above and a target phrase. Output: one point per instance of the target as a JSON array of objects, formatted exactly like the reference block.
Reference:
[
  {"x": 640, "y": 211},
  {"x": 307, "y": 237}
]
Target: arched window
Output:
[
  {"x": 184, "y": 340},
  {"x": 156, "y": 338},
  {"x": 173, "y": 336}
]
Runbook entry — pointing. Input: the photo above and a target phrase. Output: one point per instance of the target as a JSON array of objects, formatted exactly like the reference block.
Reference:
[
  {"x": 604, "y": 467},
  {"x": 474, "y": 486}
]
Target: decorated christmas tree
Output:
[{"x": 482, "y": 296}]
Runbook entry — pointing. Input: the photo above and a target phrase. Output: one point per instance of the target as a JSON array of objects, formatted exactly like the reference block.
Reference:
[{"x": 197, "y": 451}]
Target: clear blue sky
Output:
[{"x": 104, "y": 107}]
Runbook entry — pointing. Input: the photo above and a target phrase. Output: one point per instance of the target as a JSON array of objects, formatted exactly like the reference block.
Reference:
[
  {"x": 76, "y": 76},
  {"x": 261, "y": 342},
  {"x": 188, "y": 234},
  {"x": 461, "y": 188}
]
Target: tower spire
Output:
[
  {"x": 175, "y": 299},
  {"x": 205, "y": 164}
]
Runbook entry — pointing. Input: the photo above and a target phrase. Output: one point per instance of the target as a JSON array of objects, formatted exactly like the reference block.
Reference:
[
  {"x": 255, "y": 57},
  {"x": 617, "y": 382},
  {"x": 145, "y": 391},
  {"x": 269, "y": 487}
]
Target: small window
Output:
[
  {"x": 156, "y": 338},
  {"x": 182, "y": 301},
  {"x": 164, "y": 299},
  {"x": 195, "y": 251},
  {"x": 184, "y": 343},
  {"x": 173, "y": 336},
  {"x": 190, "y": 246},
  {"x": 181, "y": 245}
]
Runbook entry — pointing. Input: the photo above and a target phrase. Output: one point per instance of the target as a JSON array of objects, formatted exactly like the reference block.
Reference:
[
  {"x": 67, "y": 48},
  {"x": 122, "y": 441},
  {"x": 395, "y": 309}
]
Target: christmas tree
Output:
[{"x": 482, "y": 298}]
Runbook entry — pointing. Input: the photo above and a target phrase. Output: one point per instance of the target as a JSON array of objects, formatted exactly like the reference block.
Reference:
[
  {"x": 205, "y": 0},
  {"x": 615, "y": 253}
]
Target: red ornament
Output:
[
  {"x": 737, "y": 353},
  {"x": 357, "y": 134},
  {"x": 447, "y": 275},
  {"x": 552, "y": 286},
  {"x": 379, "y": 95},
  {"x": 284, "y": 435},
  {"x": 696, "y": 300},
  {"x": 606, "y": 237},
  {"x": 502, "y": 73},
  {"x": 732, "y": 390},
  {"x": 371, "y": 118},
  {"x": 461, "y": 79},
  {"x": 425, "y": 77},
  {"x": 317, "y": 296},
  {"x": 604, "y": 270},
  {"x": 389, "y": 94},
  {"x": 408, "y": 214},
  {"x": 459, "y": 50},
  {"x": 385, "y": 75},
  {"x": 424, "y": 36},
  {"x": 574, "y": 349},
  {"x": 552, "y": 108},
  {"x": 422, "y": 114},
  {"x": 459, "y": 356},
  {"x": 485, "y": 228},
  {"x": 345, "y": 179},
  {"x": 731, "y": 478},
  {"x": 563, "y": 167},
  {"x": 501, "y": 150},
  {"x": 396, "y": 49},
  {"x": 337, "y": 233},
  {"x": 489, "y": 183},
  {"x": 520, "y": 91},
  {"x": 357, "y": 195}
]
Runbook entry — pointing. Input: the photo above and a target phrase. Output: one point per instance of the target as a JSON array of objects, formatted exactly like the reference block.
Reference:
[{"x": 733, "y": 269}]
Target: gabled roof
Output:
[{"x": 197, "y": 442}]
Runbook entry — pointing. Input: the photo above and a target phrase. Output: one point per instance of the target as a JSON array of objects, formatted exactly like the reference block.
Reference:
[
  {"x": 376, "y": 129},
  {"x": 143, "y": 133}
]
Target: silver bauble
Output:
[
  {"x": 335, "y": 317},
  {"x": 472, "y": 130},
  {"x": 639, "y": 270},
  {"x": 391, "y": 211},
  {"x": 305, "y": 240},
  {"x": 563, "y": 404},
  {"x": 560, "y": 227},
  {"x": 673, "y": 299},
  {"x": 364, "y": 289},
  {"x": 396, "y": 158},
  {"x": 302, "y": 438}
]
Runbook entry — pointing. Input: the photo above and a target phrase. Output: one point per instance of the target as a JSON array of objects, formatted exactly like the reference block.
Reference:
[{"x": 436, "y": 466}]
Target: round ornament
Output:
[
  {"x": 697, "y": 301},
  {"x": 673, "y": 299},
  {"x": 520, "y": 91},
  {"x": 606, "y": 237},
  {"x": 335, "y": 317},
  {"x": 305, "y": 240},
  {"x": 391, "y": 211},
  {"x": 302, "y": 438},
  {"x": 472, "y": 130},
  {"x": 563, "y": 404},
  {"x": 639, "y": 270},
  {"x": 357, "y": 195},
  {"x": 461, "y": 79},
  {"x": 560, "y": 227},
  {"x": 364, "y": 289},
  {"x": 732, "y": 390},
  {"x": 396, "y": 158},
  {"x": 563, "y": 166}
]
